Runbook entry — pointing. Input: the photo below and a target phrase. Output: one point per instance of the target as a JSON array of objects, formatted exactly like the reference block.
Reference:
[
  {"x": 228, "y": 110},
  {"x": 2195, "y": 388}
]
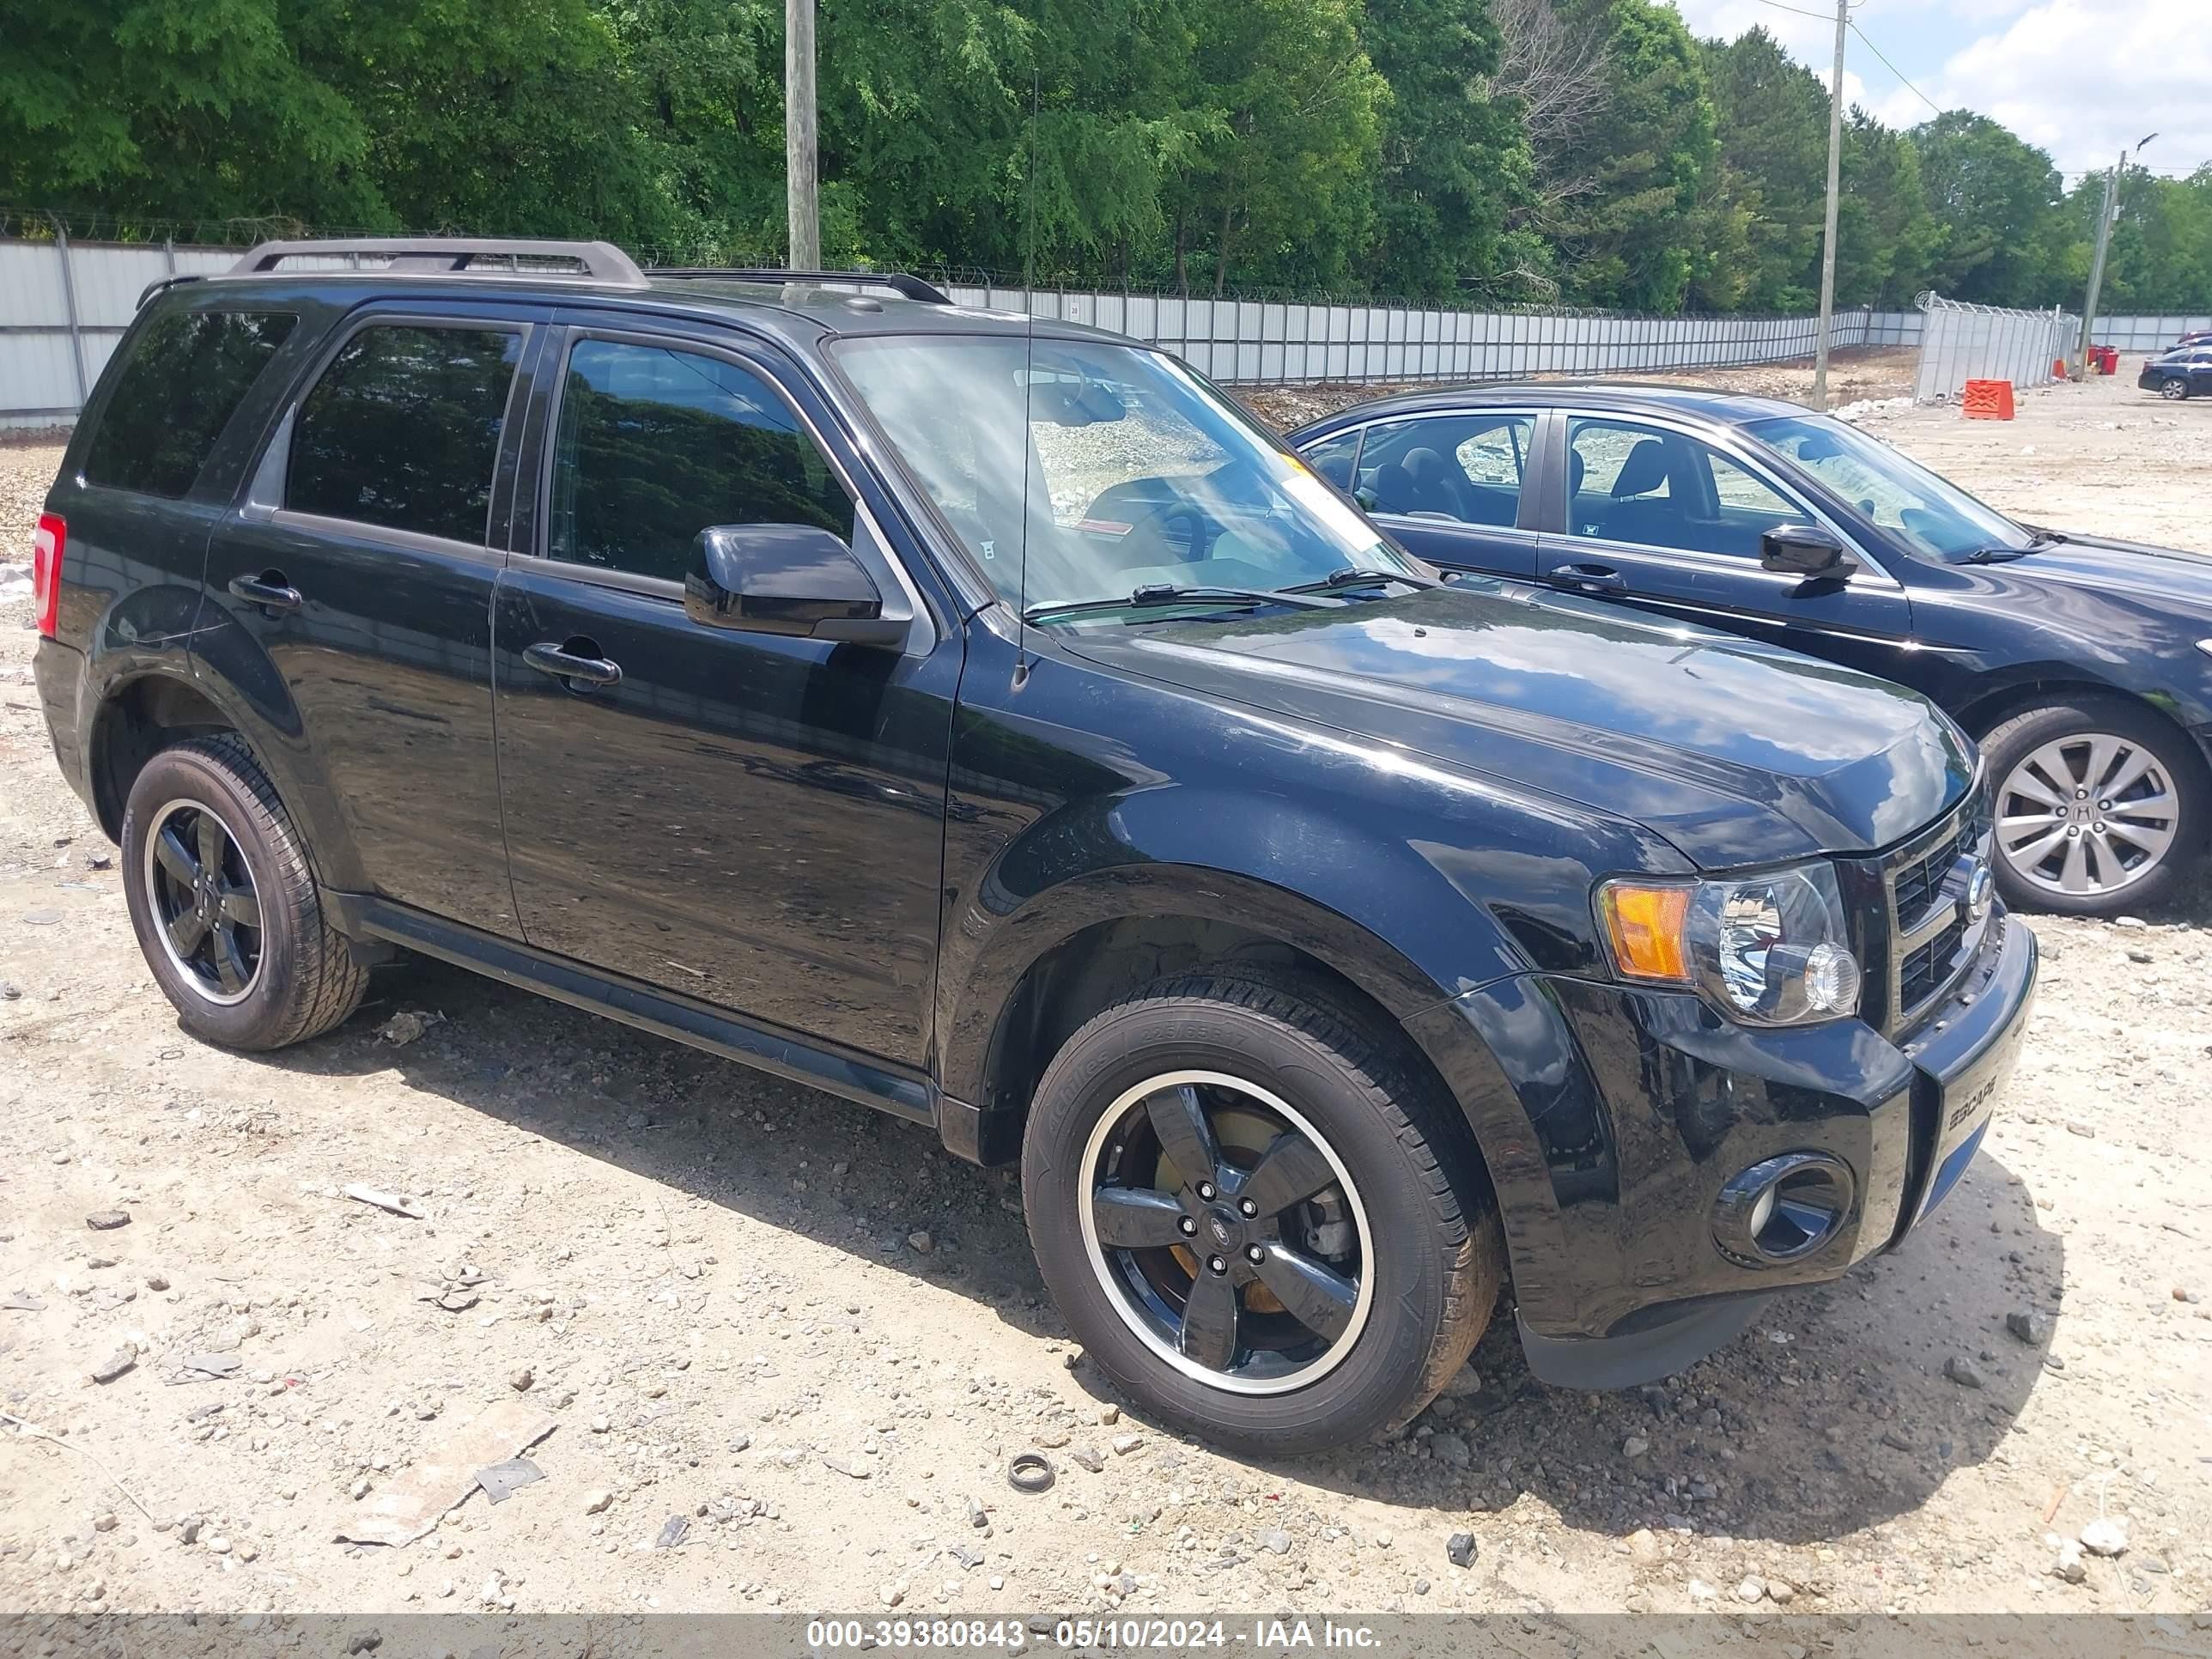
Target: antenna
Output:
[{"x": 1029, "y": 380}]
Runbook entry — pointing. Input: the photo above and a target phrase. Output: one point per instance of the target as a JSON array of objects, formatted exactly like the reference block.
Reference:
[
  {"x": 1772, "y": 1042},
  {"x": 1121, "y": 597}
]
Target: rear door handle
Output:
[
  {"x": 573, "y": 660},
  {"x": 1593, "y": 578},
  {"x": 268, "y": 590}
]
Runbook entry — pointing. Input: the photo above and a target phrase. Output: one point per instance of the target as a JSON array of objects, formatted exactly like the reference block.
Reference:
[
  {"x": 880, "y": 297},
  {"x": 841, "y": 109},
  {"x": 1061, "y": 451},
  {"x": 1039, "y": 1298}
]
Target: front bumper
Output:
[{"x": 1638, "y": 1107}]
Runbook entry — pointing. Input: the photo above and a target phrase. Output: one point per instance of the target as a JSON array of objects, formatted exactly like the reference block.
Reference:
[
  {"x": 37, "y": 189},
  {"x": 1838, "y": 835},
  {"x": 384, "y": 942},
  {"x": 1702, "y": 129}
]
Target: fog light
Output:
[
  {"x": 1832, "y": 978},
  {"x": 1782, "y": 1209}
]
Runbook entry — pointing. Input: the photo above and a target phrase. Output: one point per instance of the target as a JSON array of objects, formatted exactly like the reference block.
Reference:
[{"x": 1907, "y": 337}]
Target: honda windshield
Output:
[
  {"x": 1933, "y": 517},
  {"x": 1076, "y": 470}
]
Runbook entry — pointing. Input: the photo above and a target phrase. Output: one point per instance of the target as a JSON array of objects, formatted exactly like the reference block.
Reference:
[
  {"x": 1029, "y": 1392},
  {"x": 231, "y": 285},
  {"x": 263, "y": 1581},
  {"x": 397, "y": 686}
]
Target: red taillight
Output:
[{"x": 47, "y": 542}]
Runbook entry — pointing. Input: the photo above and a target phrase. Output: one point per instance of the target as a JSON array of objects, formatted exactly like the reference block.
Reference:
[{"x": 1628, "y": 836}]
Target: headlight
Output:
[{"x": 1771, "y": 950}]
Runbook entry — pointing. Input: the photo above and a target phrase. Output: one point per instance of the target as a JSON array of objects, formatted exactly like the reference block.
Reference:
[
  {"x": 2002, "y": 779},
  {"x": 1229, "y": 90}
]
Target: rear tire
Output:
[
  {"x": 2174, "y": 388},
  {"x": 2041, "y": 762},
  {"x": 1394, "y": 1260},
  {"x": 224, "y": 905}
]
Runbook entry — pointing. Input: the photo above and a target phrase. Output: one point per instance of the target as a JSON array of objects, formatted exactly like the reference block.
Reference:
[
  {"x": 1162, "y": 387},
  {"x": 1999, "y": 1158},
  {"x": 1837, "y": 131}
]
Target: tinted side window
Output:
[
  {"x": 1333, "y": 457},
  {"x": 653, "y": 446},
  {"x": 1464, "y": 467},
  {"x": 403, "y": 429},
  {"x": 187, "y": 373},
  {"x": 1635, "y": 483}
]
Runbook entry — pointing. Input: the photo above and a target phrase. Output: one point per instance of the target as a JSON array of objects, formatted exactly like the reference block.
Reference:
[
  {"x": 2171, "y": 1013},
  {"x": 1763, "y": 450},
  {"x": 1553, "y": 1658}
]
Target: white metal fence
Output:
[
  {"x": 2148, "y": 333},
  {"x": 1961, "y": 343},
  {"x": 1273, "y": 341},
  {"x": 63, "y": 304}
]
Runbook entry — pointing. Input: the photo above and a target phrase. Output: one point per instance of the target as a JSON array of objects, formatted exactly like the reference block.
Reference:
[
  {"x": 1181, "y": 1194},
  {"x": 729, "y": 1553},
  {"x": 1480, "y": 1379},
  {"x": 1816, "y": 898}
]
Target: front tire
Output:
[
  {"x": 2100, "y": 807},
  {"x": 1258, "y": 1219},
  {"x": 224, "y": 905}
]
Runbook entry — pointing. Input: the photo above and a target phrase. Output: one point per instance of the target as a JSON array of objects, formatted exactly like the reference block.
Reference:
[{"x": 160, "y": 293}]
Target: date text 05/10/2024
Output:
[{"x": 1015, "y": 1635}]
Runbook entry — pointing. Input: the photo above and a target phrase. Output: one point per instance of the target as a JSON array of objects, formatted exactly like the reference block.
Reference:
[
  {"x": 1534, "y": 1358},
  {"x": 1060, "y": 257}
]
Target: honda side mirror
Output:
[
  {"x": 1806, "y": 550},
  {"x": 796, "y": 579}
]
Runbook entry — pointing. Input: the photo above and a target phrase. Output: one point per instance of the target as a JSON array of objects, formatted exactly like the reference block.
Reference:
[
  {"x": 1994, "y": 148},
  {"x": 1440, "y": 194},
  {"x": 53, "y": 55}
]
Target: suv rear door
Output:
[
  {"x": 351, "y": 594},
  {"x": 753, "y": 820}
]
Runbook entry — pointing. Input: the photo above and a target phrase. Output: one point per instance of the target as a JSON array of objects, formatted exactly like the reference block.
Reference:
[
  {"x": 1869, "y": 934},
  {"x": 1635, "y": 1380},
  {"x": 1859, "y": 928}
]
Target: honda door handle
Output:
[
  {"x": 268, "y": 590},
  {"x": 576, "y": 660},
  {"x": 1593, "y": 578}
]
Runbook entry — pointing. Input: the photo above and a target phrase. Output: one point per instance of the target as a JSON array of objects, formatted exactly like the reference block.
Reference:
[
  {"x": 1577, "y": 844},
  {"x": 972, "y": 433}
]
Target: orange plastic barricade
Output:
[
  {"x": 2058, "y": 366},
  {"x": 1989, "y": 400}
]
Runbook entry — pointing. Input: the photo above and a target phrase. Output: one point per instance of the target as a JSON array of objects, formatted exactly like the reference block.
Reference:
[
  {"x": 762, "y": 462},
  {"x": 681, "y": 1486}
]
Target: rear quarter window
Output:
[{"x": 186, "y": 374}]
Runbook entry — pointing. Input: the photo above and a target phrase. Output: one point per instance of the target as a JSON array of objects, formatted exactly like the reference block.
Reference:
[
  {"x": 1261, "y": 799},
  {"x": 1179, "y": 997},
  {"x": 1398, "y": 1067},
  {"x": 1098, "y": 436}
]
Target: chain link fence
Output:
[{"x": 1961, "y": 343}]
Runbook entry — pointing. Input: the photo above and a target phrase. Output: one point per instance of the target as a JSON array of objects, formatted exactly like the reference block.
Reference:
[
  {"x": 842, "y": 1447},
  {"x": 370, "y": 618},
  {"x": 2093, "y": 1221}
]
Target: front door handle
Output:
[
  {"x": 573, "y": 660},
  {"x": 269, "y": 590},
  {"x": 1593, "y": 578}
]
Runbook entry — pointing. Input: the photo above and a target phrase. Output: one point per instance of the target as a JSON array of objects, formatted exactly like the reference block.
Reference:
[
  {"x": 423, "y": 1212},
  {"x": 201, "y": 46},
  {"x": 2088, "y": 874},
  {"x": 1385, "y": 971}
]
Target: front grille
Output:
[
  {"x": 1922, "y": 898},
  {"x": 1923, "y": 973},
  {"x": 1920, "y": 883}
]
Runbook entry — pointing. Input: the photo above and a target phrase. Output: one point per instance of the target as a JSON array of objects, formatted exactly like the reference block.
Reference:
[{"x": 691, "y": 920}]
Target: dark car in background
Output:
[
  {"x": 2082, "y": 664},
  {"x": 2185, "y": 371},
  {"x": 984, "y": 720}
]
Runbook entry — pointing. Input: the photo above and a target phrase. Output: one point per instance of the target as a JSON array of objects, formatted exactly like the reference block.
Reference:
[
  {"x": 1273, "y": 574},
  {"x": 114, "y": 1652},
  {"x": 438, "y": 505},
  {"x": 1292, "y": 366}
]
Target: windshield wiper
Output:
[
  {"x": 2003, "y": 555},
  {"x": 1353, "y": 576},
  {"x": 1161, "y": 593}
]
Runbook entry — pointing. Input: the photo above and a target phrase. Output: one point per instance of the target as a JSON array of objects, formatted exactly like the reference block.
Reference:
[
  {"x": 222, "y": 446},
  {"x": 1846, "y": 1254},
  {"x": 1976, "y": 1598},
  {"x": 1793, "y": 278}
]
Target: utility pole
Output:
[
  {"x": 1835, "y": 189},
  {"x": 2110, "y": 212},
  {"x": 798, "y": 177}
]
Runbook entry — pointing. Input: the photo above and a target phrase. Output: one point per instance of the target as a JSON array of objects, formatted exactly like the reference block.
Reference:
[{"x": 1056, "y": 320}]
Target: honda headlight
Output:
[{"x": 1769, "y": 950}]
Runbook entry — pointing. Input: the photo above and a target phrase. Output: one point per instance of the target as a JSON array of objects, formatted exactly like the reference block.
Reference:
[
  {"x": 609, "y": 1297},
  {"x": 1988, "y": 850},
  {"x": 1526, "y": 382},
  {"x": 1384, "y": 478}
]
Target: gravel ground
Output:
[{"x": 808, "y": 1332}]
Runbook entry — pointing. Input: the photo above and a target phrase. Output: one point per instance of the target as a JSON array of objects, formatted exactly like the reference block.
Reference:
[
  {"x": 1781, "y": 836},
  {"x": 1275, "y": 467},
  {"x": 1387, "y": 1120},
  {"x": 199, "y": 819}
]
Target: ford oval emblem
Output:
[{"x": 1981, "y": 891}]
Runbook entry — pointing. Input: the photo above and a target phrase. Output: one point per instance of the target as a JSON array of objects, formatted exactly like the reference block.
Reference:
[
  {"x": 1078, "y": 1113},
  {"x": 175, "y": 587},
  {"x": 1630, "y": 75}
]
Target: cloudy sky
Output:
[{"x": 2080, "y": 78}]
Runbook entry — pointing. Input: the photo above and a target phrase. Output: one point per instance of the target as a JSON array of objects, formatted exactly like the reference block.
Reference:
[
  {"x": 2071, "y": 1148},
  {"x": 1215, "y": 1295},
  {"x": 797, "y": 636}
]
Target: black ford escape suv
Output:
[{"x": 984, "y": 720}]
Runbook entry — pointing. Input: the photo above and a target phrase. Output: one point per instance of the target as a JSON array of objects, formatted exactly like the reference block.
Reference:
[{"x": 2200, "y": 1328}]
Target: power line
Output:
[
  {"x": 1817, "y": 16},
  {"x": 1892, "y": 68},
  {"x": 1823, "y": 17}
]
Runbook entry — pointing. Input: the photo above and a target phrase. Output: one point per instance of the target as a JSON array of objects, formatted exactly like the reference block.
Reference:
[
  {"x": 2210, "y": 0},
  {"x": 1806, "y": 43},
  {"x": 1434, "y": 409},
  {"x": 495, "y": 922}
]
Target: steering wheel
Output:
[{"x": 1155, "y": 520}]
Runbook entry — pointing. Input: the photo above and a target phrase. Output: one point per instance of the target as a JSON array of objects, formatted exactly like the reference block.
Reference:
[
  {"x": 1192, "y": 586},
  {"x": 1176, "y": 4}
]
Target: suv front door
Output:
[
  {"x": 360, "y": 565},
  {"x": 752, "y": 820},
  {"x": 1665, "y": 521}
]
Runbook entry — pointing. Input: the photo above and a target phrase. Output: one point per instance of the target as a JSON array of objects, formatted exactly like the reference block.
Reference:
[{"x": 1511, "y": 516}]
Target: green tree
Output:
[
  {"x": 1769, "y": 188},
  {"x": 190, "y": 108},
  {"x": 1283, "y": 189},
  {"x": 1454, "y": 157},
  {"x": 1885, "y": 238},
  {"x": 1993, "y": 195},
  {"x": 1627, "y": 238}
]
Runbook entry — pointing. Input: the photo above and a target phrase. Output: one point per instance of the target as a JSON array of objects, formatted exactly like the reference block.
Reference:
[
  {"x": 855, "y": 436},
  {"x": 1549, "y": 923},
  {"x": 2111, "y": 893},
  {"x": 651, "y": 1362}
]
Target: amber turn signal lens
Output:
[{"x": 1644, "y": 926}]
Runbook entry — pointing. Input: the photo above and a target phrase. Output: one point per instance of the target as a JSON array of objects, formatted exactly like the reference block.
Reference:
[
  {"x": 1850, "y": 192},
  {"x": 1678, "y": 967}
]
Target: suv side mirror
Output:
[
  {"x": 1806, "y": 550},
  {"x": 795, "y": 579}
]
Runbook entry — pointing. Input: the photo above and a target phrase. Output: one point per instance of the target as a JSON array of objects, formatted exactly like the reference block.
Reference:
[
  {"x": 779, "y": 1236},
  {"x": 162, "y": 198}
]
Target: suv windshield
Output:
[
  {"x": 1935, "y": 518},
  {"x": 1105, "y": 468}
]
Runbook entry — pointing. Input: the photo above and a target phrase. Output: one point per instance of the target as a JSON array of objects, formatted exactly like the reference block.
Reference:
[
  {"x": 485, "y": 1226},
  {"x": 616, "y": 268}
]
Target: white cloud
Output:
[{"x": 2081, "y": 78}]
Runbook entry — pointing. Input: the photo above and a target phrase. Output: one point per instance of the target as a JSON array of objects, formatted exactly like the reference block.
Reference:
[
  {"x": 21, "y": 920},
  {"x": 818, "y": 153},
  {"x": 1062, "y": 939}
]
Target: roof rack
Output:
[
  {"x": 899, "y": 282},
  {"x": 598, "y": 262}
]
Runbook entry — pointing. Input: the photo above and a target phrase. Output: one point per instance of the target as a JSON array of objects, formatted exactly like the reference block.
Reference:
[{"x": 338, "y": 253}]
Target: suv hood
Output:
[{"x": 1735, "y": 752}]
